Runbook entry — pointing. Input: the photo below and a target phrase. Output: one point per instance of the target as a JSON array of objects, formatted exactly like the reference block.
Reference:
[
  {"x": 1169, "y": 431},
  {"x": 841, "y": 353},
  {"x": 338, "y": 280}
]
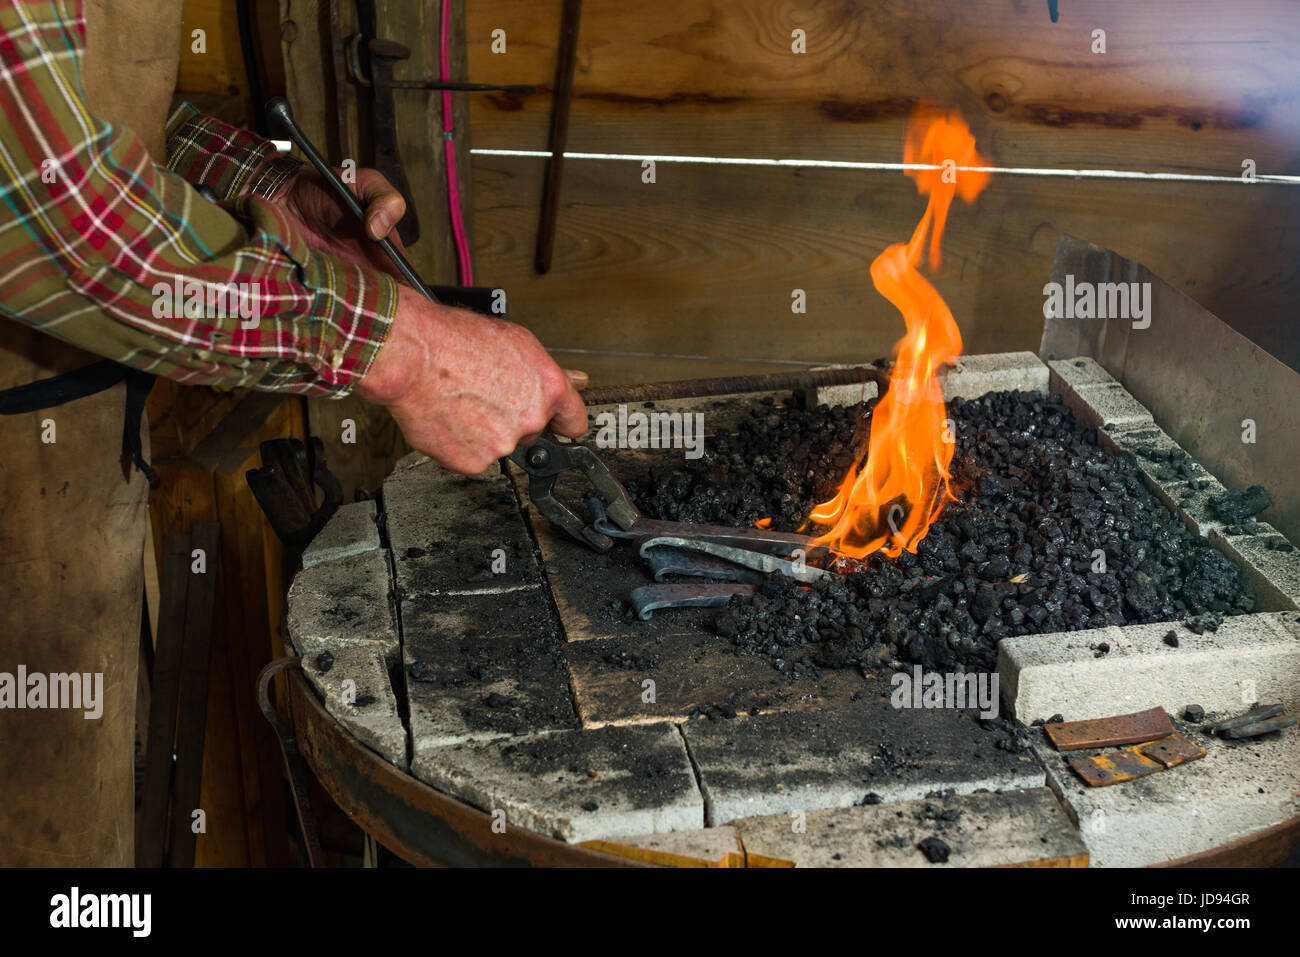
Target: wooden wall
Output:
[{"x": 703, "y": 262}]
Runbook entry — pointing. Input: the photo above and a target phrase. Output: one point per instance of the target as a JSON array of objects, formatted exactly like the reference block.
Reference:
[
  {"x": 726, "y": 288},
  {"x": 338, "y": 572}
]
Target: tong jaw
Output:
[{"x": 544, "y": 459}]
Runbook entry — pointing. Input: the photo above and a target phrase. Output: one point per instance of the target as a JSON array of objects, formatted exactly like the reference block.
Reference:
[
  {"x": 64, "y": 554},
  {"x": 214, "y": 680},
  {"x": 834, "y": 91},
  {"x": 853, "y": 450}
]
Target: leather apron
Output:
[{"x": 72, "y": 529}]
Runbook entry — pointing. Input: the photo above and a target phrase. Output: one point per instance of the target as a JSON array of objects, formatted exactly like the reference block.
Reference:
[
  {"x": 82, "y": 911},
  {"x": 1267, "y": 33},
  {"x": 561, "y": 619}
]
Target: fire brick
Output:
[
  {"x": 354, "y": 684},
  {"x": 452, "y": 534},
  {"x": 344, "y": 603},
  {"x": 1233, "y": 791},
  {"x": 474, "y": 672},
  {"x": 350, "y": 531},
  {"x": 574, "y": 785},
  {"x": 1044, "y": 675},
  {"x": 805, "y": 761},
  {"x": 1006, "y": 829}
]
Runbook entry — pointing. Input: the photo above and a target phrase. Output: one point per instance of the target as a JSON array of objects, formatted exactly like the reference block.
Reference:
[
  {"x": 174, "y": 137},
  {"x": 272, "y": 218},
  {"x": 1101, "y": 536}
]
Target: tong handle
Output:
[{"x": 545, "y": 459}]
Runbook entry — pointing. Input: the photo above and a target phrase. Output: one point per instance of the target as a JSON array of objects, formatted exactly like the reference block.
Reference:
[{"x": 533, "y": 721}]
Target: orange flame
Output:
[{"x": 889, "y": 500}]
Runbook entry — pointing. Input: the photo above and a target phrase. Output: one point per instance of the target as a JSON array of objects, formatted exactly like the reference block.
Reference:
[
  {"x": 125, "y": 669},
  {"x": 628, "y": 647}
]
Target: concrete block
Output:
[
  {"x": 483, "y": 666},
  {"x": 1269, "y": 561},
  {"x": 851, "y": 394},
  {"x": 1081, "y": 371},
  {"x": 1190, "y": 501},
  {"x": 1098, "y": 401},
  {"x": 344, "y": 603},
  {"x": 690, "y": 673},
  {"x": 1021, "y": 828},
  {"x": 705, "y": 847},
  {"x": 350, "y": 531},
  {"x": 1182, "y": 483},
  {"x": 453, "y": 534},
  {"x": 1238, "y": 788},
  {"x": 805, "y": 761},
  {"x": 974, "y": 376},
  {"x": 1044, "y": 675},
  {"x": 575, "y": 785},
  {"x": 354, "y": 684}
]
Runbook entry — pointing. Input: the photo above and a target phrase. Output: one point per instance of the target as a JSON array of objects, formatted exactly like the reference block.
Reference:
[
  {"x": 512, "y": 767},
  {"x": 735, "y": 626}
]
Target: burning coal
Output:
[{"x": 891, "y": 496}]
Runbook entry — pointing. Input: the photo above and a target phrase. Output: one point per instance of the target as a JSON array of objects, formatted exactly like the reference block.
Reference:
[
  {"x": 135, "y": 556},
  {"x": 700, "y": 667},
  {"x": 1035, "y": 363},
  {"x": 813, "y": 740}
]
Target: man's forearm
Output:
[{"x": 114, "y": 255}]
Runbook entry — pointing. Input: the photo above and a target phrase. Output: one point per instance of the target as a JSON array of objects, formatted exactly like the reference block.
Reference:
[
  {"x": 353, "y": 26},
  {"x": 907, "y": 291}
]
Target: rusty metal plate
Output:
[
  {"x": 1138, "y": 761},
  {"x": 1109, "y": 732},
  {"x": 1171, "y": 751},
  {"x": 1114, "y": 768}
]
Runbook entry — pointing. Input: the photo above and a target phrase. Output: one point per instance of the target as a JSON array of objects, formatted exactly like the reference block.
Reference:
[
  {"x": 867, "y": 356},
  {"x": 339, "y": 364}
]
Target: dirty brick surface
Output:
[
  {"x": 807, "y": 761},
  {"x": 575, "y": 785},
  {"x": 1005, "y": 829},
  {"x": 452, "y": 534},
  {"x": 347, "y": 602},
  {"x": 483, "y": 666},
  {"x": 689, "y": 674},
  {"x": 354, "y": 684},
  {"x": 350, "y": 531}
]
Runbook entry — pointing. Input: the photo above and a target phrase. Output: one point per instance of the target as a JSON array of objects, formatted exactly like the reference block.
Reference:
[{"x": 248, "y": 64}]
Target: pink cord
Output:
[{"x": 449, "y": 150}]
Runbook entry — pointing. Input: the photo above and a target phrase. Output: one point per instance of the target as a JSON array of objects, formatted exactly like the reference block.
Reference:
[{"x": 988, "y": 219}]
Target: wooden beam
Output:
[
  {"x": 704, "y": 261},
  {"x": 1183, "y": 84}
]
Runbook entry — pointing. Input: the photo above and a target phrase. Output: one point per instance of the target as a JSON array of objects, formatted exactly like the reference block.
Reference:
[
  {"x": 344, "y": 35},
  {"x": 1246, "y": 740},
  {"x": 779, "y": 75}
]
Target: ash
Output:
[{"x": 1038, "y": 499}]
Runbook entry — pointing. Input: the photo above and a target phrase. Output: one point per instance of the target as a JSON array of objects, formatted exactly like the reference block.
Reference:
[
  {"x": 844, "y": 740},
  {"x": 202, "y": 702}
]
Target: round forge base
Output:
[{"x": 487, "y": 661}]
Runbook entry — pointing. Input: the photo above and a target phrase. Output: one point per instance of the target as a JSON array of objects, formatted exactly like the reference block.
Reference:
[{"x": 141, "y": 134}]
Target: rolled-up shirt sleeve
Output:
[{"x": 109, "y": 252}]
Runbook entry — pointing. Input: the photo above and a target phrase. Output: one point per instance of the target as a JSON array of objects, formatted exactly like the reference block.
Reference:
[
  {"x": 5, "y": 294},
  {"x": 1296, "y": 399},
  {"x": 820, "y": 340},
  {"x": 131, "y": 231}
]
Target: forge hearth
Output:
[{"x": 458, "y": 635}]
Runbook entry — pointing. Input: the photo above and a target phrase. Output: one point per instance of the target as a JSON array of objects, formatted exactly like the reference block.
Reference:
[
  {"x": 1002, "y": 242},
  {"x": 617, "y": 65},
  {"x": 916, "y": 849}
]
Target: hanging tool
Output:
[
  {"x": 280, "y": 113},
  {"x": 383, "y": 116},
  {"x": 359, "y": 75},
  {"x": 379, "y": 55},
  {"x": 566, "y": 58}
]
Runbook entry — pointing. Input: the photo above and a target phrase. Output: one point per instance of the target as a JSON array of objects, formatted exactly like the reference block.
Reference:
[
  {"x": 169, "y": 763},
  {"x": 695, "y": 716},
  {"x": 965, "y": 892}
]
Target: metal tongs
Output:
[
  {"x": 545, "y": 459},
  {"x": 737, "y": 556}
]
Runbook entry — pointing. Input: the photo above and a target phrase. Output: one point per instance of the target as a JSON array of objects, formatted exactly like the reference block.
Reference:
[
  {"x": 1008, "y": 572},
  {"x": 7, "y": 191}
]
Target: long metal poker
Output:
[{"x": 279, "y": 113}]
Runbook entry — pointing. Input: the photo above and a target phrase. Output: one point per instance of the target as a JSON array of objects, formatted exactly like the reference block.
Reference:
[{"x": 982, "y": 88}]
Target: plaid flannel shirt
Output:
[{"x": 103, "y": 249}]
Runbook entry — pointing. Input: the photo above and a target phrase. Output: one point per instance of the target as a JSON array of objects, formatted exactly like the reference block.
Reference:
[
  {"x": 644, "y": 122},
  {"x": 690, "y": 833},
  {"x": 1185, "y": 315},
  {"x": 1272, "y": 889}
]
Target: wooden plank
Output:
[
  {"x": 241, "y": 556},
  {"x": 246, "y": 627},
  {"x": 221, "y": 68},
  {"x": 151, "y": 830},
  {"x": 195, "y": 668},
  {"x": 152, "y": 584},
  {"x": 704, "y": 261},
  {"x": 1184, "y": 85},
  {"x": 226, "y": 841}
]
